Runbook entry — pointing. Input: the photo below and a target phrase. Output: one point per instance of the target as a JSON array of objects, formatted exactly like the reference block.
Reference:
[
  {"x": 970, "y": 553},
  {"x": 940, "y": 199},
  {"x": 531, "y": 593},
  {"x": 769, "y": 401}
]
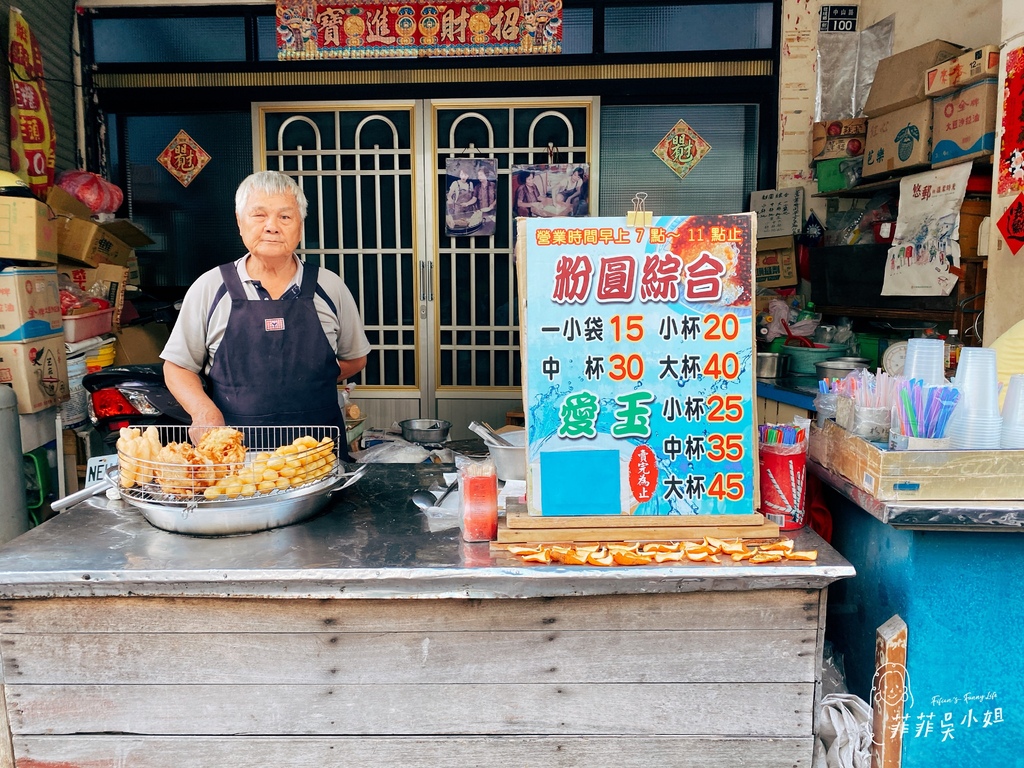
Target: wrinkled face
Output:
[{"x": 270, "y": 225}]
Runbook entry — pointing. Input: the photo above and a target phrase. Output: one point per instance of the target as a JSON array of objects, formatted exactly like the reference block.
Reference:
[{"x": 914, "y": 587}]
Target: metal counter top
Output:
[
  {"x": 964, "y": 516},
  {"x": 370, "y": 542}
]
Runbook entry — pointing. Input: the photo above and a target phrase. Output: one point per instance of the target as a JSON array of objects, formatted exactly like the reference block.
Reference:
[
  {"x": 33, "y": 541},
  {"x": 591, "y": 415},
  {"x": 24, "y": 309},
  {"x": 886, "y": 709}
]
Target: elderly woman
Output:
[{"x": 273, "y": 335}]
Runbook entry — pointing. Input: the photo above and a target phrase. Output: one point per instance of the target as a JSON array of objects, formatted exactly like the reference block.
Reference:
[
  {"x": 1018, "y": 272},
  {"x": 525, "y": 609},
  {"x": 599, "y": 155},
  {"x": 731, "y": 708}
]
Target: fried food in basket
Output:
[
  {"x": 302, "y": 461},
  {"x": 217, "y": 467},
  {"x": 182, "y": 471},
  {"x": 222, "y": 447},
  {"x": 136, "y": 454}
]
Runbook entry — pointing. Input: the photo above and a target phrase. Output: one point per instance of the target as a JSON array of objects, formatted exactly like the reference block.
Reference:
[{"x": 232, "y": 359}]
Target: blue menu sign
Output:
[{"x": 638, "y": 365}]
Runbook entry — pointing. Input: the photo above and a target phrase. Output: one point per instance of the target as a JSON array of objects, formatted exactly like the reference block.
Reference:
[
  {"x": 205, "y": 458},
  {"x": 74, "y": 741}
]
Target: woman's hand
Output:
[{"x": 187, "y": 388}]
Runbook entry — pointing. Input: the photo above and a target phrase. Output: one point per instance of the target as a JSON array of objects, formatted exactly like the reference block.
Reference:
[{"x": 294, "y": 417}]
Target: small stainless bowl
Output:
[
  {"x": 425, "y": 430},
  {"x": 771, "y": 365},
  {"x": 838, "y": 367}
]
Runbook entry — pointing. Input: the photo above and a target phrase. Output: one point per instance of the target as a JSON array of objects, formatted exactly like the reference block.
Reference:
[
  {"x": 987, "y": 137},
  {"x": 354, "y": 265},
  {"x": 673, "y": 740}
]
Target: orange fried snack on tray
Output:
[
  {"x": 622, "y": 553},
  {"x": 182, "y": 471},
  {"x": 136, "y": 454},
  {"x": 222, "y": 447}
]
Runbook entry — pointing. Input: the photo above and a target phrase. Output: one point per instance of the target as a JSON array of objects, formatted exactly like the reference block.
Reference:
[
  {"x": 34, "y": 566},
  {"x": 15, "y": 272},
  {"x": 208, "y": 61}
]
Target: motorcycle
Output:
[{"x": 134, "y": 395}]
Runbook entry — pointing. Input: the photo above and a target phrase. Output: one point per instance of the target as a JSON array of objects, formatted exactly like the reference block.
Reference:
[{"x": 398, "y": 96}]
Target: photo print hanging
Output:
[
  {"x": 546, "y": 191},
  {"x": 472, "y": 192}
]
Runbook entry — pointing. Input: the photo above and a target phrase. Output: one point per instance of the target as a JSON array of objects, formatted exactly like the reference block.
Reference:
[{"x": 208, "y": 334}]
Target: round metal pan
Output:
[{"x": 237, "y": 516}]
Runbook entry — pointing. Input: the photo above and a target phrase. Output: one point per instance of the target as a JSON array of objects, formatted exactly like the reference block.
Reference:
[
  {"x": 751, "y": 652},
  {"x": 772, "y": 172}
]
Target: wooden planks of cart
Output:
[{"x": 362, "y": 638}]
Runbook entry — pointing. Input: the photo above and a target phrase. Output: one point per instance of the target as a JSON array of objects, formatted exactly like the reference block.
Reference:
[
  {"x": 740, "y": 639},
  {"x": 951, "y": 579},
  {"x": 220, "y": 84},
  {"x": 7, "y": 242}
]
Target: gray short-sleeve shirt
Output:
[{"x": 197, "y": 332}]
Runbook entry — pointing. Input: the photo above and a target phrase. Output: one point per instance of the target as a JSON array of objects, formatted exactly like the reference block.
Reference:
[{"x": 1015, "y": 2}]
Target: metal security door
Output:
[
  {"x": 476, "y": 312},
  {"x": 440, "y": 312},
  {"x": 356, "y": 163}
]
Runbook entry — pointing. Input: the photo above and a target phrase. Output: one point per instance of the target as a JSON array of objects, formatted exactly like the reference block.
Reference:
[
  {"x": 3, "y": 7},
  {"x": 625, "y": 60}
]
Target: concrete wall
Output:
[
  {"x": 967, "y": 22},
  {"x": 1003, "y": 305}
]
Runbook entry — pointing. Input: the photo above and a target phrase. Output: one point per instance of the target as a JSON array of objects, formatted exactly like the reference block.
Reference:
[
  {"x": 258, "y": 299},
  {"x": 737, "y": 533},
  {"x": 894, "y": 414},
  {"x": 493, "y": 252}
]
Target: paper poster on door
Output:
[
  {"x": 471, "y": 196},
  {"x": 546, "y": 191},
  {"x": 925, "y": 255}
]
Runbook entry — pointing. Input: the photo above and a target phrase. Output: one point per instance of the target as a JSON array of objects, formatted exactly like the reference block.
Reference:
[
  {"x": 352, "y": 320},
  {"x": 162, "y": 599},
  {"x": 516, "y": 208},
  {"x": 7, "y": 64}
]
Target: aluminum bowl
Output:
[
  {"x": 510, "y": 461},
  {"x": 425, "y": 430},
  {"x": 838, "y": 367},
  {"x": 771, "y": 365}
]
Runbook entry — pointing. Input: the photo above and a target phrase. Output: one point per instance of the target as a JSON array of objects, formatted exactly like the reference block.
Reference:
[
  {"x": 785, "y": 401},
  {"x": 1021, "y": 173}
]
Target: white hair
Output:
[{"x": 269, "y": 183}]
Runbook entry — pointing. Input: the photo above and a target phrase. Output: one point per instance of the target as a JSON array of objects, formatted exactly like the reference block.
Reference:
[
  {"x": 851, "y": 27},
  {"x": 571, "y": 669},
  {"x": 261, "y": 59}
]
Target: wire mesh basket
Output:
[{"x": 226, "y": 465}]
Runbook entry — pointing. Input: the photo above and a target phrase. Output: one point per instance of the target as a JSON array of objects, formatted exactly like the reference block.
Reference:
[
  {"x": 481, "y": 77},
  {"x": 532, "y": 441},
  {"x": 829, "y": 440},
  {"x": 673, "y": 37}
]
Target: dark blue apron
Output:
[{"x": 274, "y": 366}]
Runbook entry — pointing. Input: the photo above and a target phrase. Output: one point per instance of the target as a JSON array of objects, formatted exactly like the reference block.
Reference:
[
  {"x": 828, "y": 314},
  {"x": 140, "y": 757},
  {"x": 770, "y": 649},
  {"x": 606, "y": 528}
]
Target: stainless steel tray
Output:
[
  {"x": 237, "y": 516},
  {"x": 192, "y": 495}
]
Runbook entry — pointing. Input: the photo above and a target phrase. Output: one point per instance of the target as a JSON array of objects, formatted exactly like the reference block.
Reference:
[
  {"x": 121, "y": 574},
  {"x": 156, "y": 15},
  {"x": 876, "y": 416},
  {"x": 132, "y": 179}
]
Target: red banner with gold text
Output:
[
  {"x": 326, "y": 29},
  {"x": 33, "y": 139}
]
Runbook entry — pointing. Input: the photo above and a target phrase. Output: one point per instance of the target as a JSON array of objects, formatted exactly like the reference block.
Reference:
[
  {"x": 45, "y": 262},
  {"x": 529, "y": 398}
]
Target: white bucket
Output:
[{"x": 76, "y": 410}]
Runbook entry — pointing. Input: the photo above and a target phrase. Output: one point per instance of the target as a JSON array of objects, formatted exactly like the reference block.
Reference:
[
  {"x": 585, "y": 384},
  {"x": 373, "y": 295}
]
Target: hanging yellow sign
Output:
[{"x": 33, "y": 139}]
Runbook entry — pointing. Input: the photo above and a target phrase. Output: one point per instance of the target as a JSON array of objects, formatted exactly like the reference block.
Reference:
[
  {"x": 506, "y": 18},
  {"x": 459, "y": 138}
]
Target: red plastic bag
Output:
[{"x": 96, "y": 192}]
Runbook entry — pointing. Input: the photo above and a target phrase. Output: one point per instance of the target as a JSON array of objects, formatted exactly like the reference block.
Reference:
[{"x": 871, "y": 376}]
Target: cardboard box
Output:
[
  {"x": 899, "y": 141},
  {"x": 115, "y": 277},
  {"x": 137, "y": 344},
  {"x": 88, "y": 242},
  {"x": 899, "y": 79},
  {"x": 838, "y": 138},
  {"x": 776, "y": 262},
  {"x": 840, "y": 173},
  {"x": 29, "y": 303},
  {"x": 979, "y": 64},
  {"x": 26, "y": 231},
  {"x": 918, "y": 475},
  {"x": 964, "y": 123},
  {"x": 779, "y": 212},
  {"x": 38, "y": 371}
]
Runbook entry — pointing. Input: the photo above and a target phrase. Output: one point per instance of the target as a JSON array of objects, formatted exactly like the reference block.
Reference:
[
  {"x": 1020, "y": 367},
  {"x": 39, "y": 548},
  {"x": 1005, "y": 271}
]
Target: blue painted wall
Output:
[{"x": 962, "y": 597}]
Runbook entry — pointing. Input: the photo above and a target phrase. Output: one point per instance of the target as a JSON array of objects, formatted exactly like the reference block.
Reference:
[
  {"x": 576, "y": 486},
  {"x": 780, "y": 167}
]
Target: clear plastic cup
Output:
[
  {"x": 978, "y": 381},
  {"x": 1013, "y": 414},
  {"x": 973, "y": 431},
  {"x": 926, "y": 359}
]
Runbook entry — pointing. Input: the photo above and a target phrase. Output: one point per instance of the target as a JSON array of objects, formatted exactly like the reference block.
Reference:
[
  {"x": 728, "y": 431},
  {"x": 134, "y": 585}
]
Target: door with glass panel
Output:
[
  {"x": 440, "y": 311},
  {"x": 475, "y": 314},
  {"x": 356, "y": 163}
]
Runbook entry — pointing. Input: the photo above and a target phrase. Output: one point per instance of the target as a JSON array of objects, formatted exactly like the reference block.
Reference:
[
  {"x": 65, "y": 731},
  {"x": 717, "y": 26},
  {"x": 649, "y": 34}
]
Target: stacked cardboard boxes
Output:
[
  {"x": 899, "y": 135},
  {"x": 837, "y": 152},
  {"x": 81, "y": 241},
  {"x": 32, "y": 356},
  {"x": 31, "y": 339},
  {"x": 964, "y": 92}
]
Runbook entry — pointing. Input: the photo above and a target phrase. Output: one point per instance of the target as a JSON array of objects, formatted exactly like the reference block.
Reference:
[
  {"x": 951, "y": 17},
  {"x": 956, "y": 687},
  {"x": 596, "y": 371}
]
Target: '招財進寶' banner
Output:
[
  {"x": 322, "y": 29},
  {"x": 638, "y": 365},
  {"x": 33, "y": 139}
]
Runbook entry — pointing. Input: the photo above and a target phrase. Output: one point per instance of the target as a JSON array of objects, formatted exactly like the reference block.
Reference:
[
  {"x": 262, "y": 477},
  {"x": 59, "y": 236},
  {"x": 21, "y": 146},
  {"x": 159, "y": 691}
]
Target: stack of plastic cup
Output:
[
  {"x": 976, "y": 423},
  {"x": 1013, "y": 414},
  {"x": 926, "y": 359}
]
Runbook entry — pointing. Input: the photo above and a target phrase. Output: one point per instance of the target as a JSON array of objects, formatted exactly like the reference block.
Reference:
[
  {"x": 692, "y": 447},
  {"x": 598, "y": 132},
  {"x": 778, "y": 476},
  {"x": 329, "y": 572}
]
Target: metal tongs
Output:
[{"x": 489, "y": 435}]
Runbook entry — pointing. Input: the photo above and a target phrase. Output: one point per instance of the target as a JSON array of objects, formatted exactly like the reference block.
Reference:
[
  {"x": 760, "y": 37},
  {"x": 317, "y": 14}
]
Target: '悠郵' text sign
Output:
[{"x": 638, "y": 369}]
